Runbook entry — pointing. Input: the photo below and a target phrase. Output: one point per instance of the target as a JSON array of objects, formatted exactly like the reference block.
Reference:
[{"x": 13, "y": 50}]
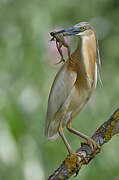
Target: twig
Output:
[{"x": 102, "y": 135}]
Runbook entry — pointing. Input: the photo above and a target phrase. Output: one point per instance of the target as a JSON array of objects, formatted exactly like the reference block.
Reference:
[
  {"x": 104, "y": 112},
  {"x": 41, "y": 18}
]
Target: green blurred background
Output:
[{"x": 27, "y": 69}]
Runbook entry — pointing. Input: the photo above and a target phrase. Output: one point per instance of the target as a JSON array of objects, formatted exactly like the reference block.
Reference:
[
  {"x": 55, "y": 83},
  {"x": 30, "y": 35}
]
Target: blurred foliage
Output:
[{"x": 26, "y": 75}]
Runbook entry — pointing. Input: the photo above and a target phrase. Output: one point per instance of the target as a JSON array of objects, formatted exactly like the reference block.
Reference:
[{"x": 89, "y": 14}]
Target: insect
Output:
[{"x": 60, "y": 41}]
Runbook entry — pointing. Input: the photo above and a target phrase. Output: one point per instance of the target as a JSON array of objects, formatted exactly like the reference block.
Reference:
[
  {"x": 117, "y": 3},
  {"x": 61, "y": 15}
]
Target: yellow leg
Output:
[
  {"x": 76, "y": 155},
  {"x": 65, "y": 140},
  {"x": 95, "y": 147}
]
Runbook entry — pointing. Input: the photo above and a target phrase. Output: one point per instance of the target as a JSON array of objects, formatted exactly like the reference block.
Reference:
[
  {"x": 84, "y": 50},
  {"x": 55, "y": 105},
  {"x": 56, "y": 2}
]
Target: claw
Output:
[
  {"x": 94, "y": 146},
  {"x": 73, "y": 162},
  {"x": 82, "y": 157}
]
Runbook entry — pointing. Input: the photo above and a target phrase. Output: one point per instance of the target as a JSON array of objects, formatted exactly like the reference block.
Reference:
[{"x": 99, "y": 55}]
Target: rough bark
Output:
[{"x": 72, "y": 165}]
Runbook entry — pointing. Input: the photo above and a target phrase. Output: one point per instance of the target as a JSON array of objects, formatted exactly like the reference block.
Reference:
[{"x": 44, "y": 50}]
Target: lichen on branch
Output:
[{"x": 71, "y": 165}]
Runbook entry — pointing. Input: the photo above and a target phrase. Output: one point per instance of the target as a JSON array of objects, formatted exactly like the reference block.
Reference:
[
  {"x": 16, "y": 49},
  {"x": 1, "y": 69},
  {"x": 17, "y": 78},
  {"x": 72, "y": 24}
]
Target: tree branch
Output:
[{"x": 71, "y": 165}]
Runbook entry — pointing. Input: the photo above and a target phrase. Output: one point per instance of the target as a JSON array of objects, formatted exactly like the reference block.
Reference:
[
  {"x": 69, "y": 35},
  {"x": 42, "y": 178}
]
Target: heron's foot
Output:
[
  {"x": 74, "y": 159},
  {"x": 83, "y": 158},
  {"x": 62, "y": 60},
  {"x": 74, "y": 163},
  {"x": 94, "y": 146}
]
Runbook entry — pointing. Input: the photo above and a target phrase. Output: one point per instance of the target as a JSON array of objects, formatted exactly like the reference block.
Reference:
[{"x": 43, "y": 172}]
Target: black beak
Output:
[{"x": 67, "y": 32}]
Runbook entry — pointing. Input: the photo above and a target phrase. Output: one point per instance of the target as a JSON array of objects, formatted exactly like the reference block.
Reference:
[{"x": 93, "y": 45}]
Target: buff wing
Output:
[{"x": 60, "y": 91}]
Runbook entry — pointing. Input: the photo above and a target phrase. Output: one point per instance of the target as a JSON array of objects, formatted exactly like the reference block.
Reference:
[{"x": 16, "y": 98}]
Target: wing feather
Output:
[
  {"x": 98, "y": 63},
  {"x": 61, "y": 88}
]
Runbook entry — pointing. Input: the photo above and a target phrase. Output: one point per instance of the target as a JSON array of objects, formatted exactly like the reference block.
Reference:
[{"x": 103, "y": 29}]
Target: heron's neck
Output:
[{"x": 87, "y": 50}]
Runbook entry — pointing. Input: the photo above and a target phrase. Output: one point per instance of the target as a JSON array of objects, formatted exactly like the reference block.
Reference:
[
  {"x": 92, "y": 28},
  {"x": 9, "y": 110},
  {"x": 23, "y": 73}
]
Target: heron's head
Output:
[{"x": 80, "y": 29}]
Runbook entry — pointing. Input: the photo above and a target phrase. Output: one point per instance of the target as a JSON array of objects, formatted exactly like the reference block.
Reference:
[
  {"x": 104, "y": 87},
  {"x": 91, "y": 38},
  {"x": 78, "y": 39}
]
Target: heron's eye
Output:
[{"x": 83, "y": 28}]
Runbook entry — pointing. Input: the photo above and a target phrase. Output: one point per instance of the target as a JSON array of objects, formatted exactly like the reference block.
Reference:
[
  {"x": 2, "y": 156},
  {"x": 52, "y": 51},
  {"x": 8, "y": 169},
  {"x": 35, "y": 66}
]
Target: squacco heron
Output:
[{"x": 74, "y": 84}]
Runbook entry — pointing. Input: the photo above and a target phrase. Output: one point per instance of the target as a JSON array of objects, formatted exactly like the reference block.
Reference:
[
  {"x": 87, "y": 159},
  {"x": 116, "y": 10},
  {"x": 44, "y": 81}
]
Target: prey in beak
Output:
[
  {"x": 58, "y": 36},
  {"x": 60, "y": 41}
]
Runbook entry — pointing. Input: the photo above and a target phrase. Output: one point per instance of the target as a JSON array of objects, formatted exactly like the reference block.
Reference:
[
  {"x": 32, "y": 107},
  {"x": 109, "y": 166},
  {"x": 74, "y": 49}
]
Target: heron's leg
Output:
[
  {"x": 95, "y": 147},
  {"x": 72, "y": 154},
  {"x": 61, "y": 133}
]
